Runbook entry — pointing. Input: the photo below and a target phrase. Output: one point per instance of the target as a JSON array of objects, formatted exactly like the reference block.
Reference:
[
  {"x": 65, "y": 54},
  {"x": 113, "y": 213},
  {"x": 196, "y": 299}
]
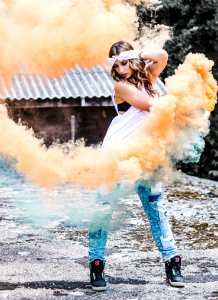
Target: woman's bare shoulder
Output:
[
  {"x": 118, "y": 84},
  {"x": 122, "y": 85}
]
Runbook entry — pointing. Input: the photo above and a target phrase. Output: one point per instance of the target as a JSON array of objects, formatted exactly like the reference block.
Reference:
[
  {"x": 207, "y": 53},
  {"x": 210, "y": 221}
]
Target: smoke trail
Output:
[
  {"x": 55, "y": 36},
  {"x": 173, "y": 131},
  {"x": 48, "y": 37}
]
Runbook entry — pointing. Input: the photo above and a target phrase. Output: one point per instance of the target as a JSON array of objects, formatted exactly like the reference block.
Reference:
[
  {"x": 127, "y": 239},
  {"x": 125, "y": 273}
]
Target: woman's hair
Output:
[{"x": 138, "y": 77}]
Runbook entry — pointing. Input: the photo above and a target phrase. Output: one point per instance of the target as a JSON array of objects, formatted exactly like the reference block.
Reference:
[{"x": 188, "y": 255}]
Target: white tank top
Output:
[
  {"x": 127, "y": 125},
  {"x": 124, "y": 126}
]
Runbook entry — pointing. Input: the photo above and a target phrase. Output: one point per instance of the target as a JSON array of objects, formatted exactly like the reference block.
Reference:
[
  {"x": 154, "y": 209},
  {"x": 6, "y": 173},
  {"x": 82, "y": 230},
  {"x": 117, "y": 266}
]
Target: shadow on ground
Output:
[{"x": 72, "y": 285}]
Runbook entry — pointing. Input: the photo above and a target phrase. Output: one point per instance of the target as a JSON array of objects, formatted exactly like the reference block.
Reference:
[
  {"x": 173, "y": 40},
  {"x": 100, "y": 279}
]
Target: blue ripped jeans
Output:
[{"x": 154, "y": 207}]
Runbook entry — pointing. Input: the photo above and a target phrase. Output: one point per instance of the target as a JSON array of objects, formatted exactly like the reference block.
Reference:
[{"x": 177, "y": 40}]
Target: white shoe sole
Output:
[
  {"x": 176, "y": 284},
  {"x": 99, "y": 289}
]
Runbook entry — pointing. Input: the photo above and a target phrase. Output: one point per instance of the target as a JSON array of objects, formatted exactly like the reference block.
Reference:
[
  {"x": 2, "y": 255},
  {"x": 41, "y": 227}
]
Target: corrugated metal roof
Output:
[{"x": 77, "y": 82}]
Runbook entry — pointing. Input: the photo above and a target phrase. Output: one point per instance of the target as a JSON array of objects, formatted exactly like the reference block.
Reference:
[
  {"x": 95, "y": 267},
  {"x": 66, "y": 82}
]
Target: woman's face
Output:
[{"x": 122, "y": 68}]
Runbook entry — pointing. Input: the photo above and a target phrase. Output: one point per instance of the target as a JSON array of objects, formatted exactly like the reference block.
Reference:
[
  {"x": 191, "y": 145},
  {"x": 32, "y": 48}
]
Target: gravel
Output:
[{"x": 53, "y": 265}]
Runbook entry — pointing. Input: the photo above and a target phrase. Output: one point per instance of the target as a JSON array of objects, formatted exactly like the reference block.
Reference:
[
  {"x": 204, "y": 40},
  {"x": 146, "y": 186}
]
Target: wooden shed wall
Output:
[{"x": 54, "y": 123}]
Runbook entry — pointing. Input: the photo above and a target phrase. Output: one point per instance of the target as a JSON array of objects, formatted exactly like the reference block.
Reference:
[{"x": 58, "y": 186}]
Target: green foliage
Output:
[{"x": 195, "y": 29}]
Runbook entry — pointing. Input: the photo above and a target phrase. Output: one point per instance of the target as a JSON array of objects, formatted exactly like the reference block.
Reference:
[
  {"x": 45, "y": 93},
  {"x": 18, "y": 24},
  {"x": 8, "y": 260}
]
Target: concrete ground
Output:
[{"x": 54, "y": 266}]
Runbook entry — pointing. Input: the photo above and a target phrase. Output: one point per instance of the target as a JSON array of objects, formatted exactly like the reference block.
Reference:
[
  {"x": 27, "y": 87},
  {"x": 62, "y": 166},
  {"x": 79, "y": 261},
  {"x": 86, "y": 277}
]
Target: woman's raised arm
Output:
[
  {"x": 129, "y": 93},
  {"x": 157, "y": 62}
]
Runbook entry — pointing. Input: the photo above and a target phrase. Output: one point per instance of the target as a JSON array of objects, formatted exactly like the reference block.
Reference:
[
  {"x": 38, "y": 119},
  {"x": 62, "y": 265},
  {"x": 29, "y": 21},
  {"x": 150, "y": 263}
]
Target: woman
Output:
[{"x": 135, "y": 76}]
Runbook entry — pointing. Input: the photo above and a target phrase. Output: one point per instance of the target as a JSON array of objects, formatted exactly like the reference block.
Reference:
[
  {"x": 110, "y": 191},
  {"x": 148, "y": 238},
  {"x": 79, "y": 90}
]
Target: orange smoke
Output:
[
  {"x": 174, "y": 121},
  {"x": 49, "y": 37}
]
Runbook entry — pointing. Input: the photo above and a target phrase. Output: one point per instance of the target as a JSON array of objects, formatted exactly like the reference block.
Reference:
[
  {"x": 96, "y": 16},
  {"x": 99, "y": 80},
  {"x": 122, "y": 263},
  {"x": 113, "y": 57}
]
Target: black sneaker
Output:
[
  {"x": 173, "y": 272},
  {"x": 97, "y": 275}
]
